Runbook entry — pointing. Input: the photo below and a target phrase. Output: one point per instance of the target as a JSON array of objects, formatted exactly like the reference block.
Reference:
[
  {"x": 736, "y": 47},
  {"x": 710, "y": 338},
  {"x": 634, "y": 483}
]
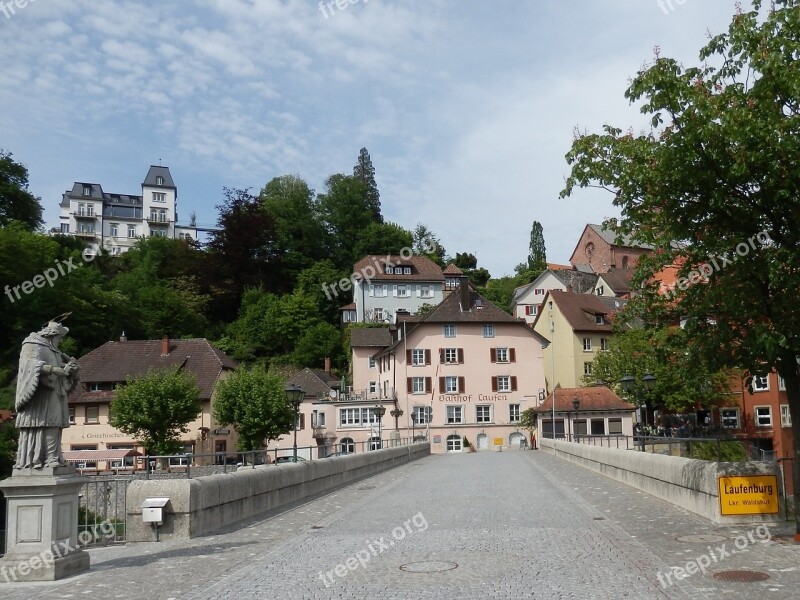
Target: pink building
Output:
[{"x": 465, "y": 370}]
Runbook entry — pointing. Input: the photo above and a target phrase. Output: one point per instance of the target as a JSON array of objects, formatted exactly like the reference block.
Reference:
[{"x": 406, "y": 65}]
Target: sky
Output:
[{"x": 467, "y": 108}]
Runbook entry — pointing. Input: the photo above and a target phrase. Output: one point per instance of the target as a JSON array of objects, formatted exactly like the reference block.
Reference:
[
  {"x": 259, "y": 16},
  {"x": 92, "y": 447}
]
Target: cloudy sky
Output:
[{"x": 466, "y": 107}]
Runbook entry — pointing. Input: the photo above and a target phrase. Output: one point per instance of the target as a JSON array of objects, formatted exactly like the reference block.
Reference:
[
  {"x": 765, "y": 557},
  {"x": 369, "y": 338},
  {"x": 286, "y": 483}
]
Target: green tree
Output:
[
  {"x": 527, "y": 420},
  {"x": 317, "y": 343},
  {"x": 500, "y": 291},
  {"x": 346, "y": 214},
  {"x": 537, "y": 254},
  {"x": 300, "y": 237},
  {"x": 468, "y": 263},
  {"x": 310, "y": 284},
  {"x": 681, "y": 383},
  {"x": 713, "y": 187},
  {"x": 16, "y": 202},
  {"x": 254, "y": 403},
  {"x": 155, "y": 409},
  {"x": 365, "y": 173},
  {"x": 427, "y": 244},
  {"x": 382, "y": 238}
]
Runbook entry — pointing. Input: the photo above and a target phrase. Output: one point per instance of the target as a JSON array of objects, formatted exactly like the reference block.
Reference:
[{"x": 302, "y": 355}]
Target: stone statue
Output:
[{"x": 46, "y": 376}]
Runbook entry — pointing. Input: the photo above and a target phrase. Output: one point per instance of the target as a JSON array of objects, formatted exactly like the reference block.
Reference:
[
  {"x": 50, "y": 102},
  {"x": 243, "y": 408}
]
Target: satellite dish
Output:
[{"x": 332, "y": 394}]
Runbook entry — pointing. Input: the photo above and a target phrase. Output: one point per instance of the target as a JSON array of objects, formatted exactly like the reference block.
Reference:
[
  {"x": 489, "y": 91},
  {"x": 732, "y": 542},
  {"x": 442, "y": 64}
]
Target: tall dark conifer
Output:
[{"x": 365, "y": 172}]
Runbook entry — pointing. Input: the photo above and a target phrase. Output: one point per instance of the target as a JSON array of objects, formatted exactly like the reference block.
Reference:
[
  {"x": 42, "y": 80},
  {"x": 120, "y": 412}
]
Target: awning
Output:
[{"x": 95, "y": 455}]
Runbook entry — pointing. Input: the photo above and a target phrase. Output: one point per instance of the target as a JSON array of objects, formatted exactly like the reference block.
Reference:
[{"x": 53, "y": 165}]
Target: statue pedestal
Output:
[{"x": 42, "y": 525}]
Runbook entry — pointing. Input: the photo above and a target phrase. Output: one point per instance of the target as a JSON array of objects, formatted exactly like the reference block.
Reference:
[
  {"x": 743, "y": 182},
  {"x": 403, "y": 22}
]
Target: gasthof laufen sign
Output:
[{"x": 748, "y": 495}]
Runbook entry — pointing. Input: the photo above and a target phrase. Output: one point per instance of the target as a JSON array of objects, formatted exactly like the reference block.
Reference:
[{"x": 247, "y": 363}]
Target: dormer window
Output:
[
  {"x": 599, "y": 320},
  {"x": 389, "y": 270},
  {"x": 407, "y": 270},
  {"x": 159, "y": 180},
  {"x": 87, "y": 190}
]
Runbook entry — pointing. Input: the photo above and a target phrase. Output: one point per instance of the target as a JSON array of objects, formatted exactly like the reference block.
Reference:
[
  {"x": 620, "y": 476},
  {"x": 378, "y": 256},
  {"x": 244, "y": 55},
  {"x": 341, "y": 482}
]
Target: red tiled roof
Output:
[
  {"x": 116, "y": 361},
  {"x": 451, "y": 269},
  {"x": 94, "y": 455},
  {"x": 316, "y": 383},
  {"x": 619, "y": 280},
  {"x": 370, "y": 337},
  {"x": 5, "y": 415},
  {"x": 351, "y": 306},
  {"x": 596, "y": 398},
  {"x": 422, "y": 268}
]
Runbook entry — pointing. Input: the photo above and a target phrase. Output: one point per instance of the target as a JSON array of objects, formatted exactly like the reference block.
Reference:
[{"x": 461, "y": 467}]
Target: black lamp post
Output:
[
  {"x": 380, "y": 410},
  {"x": 295, "y": 396},
  {"x": 629, "y": 385},
  {"x": 576, "y": 403}
]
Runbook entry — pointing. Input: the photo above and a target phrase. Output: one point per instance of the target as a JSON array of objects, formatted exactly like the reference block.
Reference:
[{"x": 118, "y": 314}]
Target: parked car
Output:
[
  {"x": 288, "y": 459},
  {"x": 339, "y": 454}
]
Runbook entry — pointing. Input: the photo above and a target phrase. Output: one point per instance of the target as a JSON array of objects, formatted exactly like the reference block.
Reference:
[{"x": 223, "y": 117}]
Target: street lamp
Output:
[
  {"x": 628, "y": 384},
  {"x": 576, "y": 403},
  {"x": 295, "y": 396},
  {"x": 380, "y": 410},
  {"x": 396, "y": 413}
]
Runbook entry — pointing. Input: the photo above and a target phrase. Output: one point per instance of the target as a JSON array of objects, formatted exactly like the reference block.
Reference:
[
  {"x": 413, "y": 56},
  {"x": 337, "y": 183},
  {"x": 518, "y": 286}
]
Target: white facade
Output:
[
  {"x": 115, "y": 221},
  {"x": 528, "y": 299}
]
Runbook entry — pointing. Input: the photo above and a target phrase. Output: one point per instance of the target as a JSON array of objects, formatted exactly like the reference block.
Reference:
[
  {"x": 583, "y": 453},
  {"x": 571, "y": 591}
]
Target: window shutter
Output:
[
  {"x": 460, "y": 385},
  {"x": 441, "y": 355},
  {"x": 428, "y": 384},
  {"x": 513, "y": 383},
  {"x": 494, "y": 384},
  {"x": 408, "y": 357},
  {"x": 410, "y": 385},
  {"x": 302, "y": 421},
  {"x": 493, "y": 354},
  {"x": 512, "y": 354},
  {"x": 461, "y": 356},
  {"x": 419, "y": 291},
  {"x": 371, "y": 290},
  {"x": 394, "y": 291},
  {"x": 427, "y": 357},
  {"x": 441, "y": 385}
]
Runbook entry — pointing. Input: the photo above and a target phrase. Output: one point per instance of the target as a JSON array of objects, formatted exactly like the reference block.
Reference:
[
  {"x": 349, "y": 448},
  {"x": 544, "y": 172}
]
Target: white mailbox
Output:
[{"x": 153, "y": 510}]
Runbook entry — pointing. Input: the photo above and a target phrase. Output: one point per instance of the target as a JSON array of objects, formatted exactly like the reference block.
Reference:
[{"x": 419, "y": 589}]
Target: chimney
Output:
[
  {"x": 165, "y": 346},
  {"x": 463, "y": 288},
  {"x": 123, "y": 337},
  {"x": 328, "y": 365}
]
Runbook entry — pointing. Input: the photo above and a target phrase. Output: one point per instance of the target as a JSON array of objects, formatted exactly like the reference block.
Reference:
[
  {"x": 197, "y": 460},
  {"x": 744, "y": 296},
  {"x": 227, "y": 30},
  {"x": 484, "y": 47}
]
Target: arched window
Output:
[
  {"x": 454, "y": 443},
  {"x": 347, "y": 445},
  {"x": 625, "y": 262}
]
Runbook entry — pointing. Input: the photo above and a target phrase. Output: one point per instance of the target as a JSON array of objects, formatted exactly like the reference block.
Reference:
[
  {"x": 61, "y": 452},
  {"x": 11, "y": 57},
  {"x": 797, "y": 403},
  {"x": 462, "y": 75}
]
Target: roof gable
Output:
[{"x": 595, "y": 398}]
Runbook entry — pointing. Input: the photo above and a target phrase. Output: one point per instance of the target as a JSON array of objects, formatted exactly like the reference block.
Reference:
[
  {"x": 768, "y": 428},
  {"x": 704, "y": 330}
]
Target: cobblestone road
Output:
[{"x": 480, "y": 525}]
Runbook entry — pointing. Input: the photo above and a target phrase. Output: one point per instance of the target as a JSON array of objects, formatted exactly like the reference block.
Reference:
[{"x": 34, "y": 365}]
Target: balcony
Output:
[
  {"x": 86, "y": 234},
  {"x": 84, "y": 215},
  {"x": 352, "y": 395},
  {"x": 158, "y": 220}
]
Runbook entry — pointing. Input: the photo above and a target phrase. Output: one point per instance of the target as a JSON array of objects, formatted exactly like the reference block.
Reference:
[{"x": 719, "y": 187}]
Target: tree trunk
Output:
[{"x": 791, "y": 377}]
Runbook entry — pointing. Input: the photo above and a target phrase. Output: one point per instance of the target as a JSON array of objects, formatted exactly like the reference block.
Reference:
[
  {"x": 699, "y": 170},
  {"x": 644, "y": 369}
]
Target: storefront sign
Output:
[
  {"x": 437, "y": 439},
  {"x": 748, "y": 495},
  {"x": 453, "y": 398},
  {"x": 498, "y": 441}
]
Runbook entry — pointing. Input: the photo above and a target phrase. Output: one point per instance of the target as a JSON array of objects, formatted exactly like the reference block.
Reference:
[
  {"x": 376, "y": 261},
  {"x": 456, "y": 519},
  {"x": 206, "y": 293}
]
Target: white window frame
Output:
[
  {"x": 758, "y": 380},
  {"x": 599, "y": 320},
  {"x": 762, "y": 420},
  {"x": 426, "y": 291},
  {"x": 604, "y": 344},
  {"x": 454, "y": 443},
  {"x": 451, "y": 356},
  {"x": 159, "y": 197},
  {"x": 96, "y": 420},
  {"x": 781, "y": 384},
  {"x": 349, "y": 417},
  {"x": 723, "y": 417},
  {"x": 72, "y": 415},
  {"x": 503, "y": 383},
  {"x": 501, "y": 355},
  {"x": 449, "y": 330},
  {"x": 159, "y": 180},
  {"x": 317, "y": 419},
  {"x": 488, "y": 330},
  {"x": 483, "y": 413},
  {"x": 403, "y": 291},
  {"x": 786, "y": 416},
  {"x": 372, "y": 362},
  {"x": 406, "y": 270},
  {"x": 421, "y": 414},
  {"x": 514, "y": 413},
  {"x": 418, "y": 357},
  {"x": 131, "y": 231},
  {"x": 418, "y": 385},
  {"x": 381, "y": 290},
  {"x": 87, "y": 190},
  {"x": 368, "y": 416},
  {"x": 374, "y": 388},
  {"x": 587, "y": 344},
  {"x": 451, "y": 384},
  {"x": 587, "y": 368},
  {"x": 454, "y": 414},
  {"x": 115, "y": 230},
  {"x": 377, "y": 314}
]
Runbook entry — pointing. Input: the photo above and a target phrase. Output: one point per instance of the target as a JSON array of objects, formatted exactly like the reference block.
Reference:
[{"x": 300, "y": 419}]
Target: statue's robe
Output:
[{"x": 41, "y": 402}]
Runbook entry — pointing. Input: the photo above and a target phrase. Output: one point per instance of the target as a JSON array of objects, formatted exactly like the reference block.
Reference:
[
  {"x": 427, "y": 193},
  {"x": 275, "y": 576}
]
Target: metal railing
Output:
[
  {"x": 352, "y": 395},
  {"x": 189, "y": 465}
]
